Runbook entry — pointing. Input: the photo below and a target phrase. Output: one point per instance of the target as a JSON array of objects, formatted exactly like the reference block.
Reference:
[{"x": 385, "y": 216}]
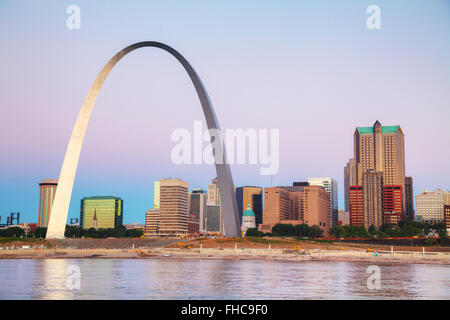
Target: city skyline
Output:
[{"x": 307, "y": 61}]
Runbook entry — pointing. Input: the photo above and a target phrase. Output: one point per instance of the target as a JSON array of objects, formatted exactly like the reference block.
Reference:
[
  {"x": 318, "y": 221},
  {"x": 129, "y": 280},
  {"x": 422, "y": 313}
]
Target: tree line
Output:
[
  {"x": 74, "y": 232},
  {"x": 402, "y": 229},
  {"x": 288, "y": 230}
]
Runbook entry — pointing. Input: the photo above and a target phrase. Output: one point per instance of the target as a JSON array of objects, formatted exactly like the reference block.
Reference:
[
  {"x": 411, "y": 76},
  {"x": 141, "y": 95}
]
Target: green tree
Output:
[
  {"x": 283, "y": 230},
  {"x": 73, "y": 232},
  {"x": 134, "y": 233},
  {"x": 119, "y": 232},
  {"x": 372, "y": 230},
  {"x": 253, "y": 232},
  {"x": 443, "y": 235},
  {"x": 12, "y": 232},
  {"x": 315, "y": 232},
  {"x": 40, "y": 232},
  {"x": 301, "y": 230}
]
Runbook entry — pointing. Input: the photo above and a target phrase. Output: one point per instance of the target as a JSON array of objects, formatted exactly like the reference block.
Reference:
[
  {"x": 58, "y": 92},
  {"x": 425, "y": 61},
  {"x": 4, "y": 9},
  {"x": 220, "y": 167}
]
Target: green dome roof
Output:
[{"x": 249, "y": 212}]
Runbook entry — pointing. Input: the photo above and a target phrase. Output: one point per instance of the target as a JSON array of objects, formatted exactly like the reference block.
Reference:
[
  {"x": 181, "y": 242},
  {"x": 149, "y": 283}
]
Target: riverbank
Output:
[
  {"x": 231, "y": 254},
  {"x": 271, "y": 249}
]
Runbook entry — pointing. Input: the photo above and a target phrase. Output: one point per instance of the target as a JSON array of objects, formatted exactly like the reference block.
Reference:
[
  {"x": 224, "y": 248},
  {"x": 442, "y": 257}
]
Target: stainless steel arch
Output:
[{"x": 60, "y": 208}]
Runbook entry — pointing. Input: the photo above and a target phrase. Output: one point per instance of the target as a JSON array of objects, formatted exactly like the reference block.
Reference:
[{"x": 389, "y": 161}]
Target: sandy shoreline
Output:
[{"x": 230, "y": 254}]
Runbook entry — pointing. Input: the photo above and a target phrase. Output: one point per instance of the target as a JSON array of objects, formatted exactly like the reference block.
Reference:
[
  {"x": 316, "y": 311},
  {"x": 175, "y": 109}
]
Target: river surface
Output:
[{"x": 217, "y": 279}]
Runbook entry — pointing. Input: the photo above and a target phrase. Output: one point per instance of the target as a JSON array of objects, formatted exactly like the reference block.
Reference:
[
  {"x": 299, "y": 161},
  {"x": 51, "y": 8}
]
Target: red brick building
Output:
[
  {"x": 355, "y": 195},
  {"x": 393, "y": 204}
]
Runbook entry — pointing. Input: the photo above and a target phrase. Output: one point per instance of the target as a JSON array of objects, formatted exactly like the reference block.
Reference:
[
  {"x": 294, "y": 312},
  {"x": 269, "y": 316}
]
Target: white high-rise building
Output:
[
  {"x": 430, "y": 205},
  {"x": 331, "y": 186}
]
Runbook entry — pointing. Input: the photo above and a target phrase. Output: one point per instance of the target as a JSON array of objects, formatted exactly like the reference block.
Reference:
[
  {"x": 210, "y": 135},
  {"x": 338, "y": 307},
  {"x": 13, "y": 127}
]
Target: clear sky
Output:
[{"x": 310, "y": 68}]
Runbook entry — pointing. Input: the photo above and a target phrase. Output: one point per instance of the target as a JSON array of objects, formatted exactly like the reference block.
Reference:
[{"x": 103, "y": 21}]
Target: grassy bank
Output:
[{"x": 9, "y": 241}]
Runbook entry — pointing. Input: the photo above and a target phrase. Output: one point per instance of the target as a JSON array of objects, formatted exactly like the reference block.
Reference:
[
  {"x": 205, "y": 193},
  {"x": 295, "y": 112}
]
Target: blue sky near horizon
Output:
[{"x": 310, "y": 68}]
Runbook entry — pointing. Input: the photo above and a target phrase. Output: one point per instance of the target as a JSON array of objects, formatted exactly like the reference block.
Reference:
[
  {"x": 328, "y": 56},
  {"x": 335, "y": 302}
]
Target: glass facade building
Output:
[{"x": 109, "y": 212}]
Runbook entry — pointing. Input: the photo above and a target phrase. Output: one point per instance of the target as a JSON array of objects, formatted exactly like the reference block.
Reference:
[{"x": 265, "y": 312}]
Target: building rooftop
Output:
[
  {"x": 101, "y": 198},
  {"x": 384, "y": 129},
  {"x": 249, "y": 212},
  {"x": 49, "y": 181}
]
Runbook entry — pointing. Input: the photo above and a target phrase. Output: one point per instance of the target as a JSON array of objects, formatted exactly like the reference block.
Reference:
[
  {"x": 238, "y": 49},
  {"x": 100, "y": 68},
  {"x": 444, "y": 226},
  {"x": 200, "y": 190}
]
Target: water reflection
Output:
[{"x": 218, "y": 279}]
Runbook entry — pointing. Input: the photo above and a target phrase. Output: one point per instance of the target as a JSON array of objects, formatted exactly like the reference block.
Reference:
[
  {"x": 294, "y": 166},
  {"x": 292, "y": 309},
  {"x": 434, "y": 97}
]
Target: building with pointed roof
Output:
[
  {"x": 379, "y": 150},
  {"x": 94, "y": 219}
]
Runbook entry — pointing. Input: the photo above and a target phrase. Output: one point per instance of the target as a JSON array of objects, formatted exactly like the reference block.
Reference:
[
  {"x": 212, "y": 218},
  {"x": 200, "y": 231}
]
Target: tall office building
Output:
[
  {"x": 214, "y": 199},
  {"x": 356, "y": 208},
  {"x": 108, "y": 211},
  {"x": 173, "y": 207},
  {"x": 212, "y": 221},
  {"x": 350, "y": 179},
  {"x": 151, "y": 222},
  {"x": 430, "y": 205},
  {"x": 392, "y": 204},
  {"x": 378, "y": 150},
  {"x": 252, "y": 195},
  {"x": 409, "y": 199},
  {"x": 197, "y": 206},
  {"x": 296, "y": 205},
  {"x": 213, "y": 193},
  {"x": 156, "y": 194},
  {"x": 372, "y": 183},
  {"x": 47, "y": 190},
  {"x": 331, "y": 186}
]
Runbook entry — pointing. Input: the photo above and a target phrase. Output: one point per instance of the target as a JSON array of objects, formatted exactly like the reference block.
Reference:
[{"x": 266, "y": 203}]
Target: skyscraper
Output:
[
  {"x": 252, "y": 195},
  {"x": 409, "y": 199},
  {"x": 107, "y": 210},
  {"x": 47, "y": 189},
  {"x": 174, "y": 206},
  {"x": 393, "y": 204},
  {"x": 356, "y": 208},
  {"x": 378, "y": 150},
  {"x": 331, "y": 186},
  {"x": 197, "y": 206},
  {"x": 372, "y": 183},
  {"x": 381, "y": 149},
  {"x": 213, "y": 193},
  {"x": 350, "y": 179},
  {"x": 212, "y": 221},
  {"x": 214, "y": 199}
]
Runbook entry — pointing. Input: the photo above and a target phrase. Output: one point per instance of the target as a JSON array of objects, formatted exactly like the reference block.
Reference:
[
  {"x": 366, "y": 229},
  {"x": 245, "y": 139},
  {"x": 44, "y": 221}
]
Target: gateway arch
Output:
[{"x": 60, "y": 208}]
